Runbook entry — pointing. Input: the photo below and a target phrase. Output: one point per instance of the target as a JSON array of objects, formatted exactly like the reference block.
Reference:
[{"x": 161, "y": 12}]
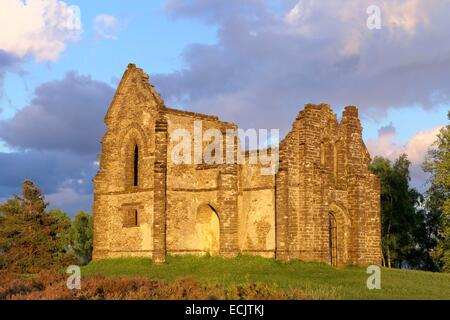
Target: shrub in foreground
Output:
[{"x": 52, "y": 286}]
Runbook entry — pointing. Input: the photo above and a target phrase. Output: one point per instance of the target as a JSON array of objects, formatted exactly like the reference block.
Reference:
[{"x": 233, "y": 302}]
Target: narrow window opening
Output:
[
  {"x": 322, "y": 153},
  {"x": 136, "y": 166},
  {"x": 335, "y": 161},
  {"x": 136, "y": 218},
  {"x": 332, "y": 236}
]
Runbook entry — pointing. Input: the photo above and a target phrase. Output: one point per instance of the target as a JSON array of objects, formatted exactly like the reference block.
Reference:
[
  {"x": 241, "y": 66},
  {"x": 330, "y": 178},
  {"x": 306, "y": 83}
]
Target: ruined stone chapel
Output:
[{"x": 322, "y": 204}]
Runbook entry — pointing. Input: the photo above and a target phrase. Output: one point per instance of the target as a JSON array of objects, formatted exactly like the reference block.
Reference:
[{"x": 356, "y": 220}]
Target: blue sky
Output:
[
  {"x": 253, "y": 62},
  {"x": 146, "y": 36}
]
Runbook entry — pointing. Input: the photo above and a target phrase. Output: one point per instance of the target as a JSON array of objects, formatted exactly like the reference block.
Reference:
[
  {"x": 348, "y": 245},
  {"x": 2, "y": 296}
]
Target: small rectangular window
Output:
[{"x": 131, "y": 218}]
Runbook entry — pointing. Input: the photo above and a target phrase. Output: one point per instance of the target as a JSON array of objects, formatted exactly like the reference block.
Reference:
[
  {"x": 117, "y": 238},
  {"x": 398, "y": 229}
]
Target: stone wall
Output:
[
  {"x": 324, "y": 176},
  {"x": 322, "y": 205},
  {"x": 256, "y": 211},
  {"x": 130, "y": 121}
]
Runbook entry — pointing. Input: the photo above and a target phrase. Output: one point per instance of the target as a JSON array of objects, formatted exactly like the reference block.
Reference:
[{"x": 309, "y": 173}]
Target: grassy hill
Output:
[{"x": 317, "y": 280}]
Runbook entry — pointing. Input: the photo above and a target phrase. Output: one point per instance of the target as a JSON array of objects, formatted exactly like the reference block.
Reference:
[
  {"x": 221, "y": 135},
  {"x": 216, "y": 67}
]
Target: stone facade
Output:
[{"x": 323, "y": 204}]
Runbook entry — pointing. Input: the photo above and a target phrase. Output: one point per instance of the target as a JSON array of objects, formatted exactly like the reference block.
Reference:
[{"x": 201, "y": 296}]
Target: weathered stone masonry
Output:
[{"x": 322, "y": 205}]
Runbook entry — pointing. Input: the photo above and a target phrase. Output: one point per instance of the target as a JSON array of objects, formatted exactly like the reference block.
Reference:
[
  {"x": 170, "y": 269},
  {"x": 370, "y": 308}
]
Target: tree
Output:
[
  {"x": 437, "y": 164},
  {"x": 31, "y": 238},
  {"x": 81, "y": 236},
  {"x": 63, "y": 221},
  {"x": 401, "y": 216}
]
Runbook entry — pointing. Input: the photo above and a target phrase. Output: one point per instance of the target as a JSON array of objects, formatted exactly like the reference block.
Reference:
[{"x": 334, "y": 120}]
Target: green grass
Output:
[{"x": 315, "y": 279}]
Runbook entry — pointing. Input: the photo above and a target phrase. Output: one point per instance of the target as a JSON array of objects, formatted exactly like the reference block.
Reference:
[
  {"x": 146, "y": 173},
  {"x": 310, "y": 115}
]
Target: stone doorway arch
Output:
[
  {"x": 338, "y": 235},
  {"x": 207, "y": 228}
]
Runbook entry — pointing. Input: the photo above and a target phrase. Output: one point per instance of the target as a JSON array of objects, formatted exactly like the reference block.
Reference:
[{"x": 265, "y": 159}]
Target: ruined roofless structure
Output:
[{"x": 323, "y": 204}]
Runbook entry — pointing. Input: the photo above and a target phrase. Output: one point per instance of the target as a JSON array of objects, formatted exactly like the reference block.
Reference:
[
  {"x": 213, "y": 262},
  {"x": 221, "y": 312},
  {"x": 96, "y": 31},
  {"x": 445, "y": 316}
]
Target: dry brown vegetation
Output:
[{"x": 52, "y": 286}]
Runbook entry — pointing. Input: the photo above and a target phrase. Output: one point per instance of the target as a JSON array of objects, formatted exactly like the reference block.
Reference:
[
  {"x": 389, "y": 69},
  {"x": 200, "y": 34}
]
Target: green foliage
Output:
[
  {"x": 402, "y": 217},
  {"x": 437, "y": 164},
  {"x": 81, "y": 236},
  {"x": 316, "y": 280},
  {"x": 31, "y": 238},
  {"x": 62, "y": 219}
]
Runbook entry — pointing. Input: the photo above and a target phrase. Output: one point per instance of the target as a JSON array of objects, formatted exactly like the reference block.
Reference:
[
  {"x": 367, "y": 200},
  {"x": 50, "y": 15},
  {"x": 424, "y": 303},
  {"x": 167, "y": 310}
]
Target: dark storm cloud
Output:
[
  {"x": 216, "y": 11},
  {"x": 386, "y": 130},
  {"x": 267, "y": 63},
  {"x": 8, "y": 63},
  {"x": 63, "y": 115},
  {"x": 57, "y": 137},
  {"x": 64, "y": 177},
  {"x": 49, "y": 169}
]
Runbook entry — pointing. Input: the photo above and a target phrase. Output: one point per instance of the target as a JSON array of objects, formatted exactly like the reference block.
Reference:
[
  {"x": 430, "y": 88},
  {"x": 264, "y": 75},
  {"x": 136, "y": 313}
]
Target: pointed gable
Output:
[{"x": 134, "y": 86}]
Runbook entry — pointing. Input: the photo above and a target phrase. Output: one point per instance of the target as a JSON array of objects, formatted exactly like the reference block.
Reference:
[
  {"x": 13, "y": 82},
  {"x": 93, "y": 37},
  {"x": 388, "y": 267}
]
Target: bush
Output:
[{"x": 52, "y": 286}]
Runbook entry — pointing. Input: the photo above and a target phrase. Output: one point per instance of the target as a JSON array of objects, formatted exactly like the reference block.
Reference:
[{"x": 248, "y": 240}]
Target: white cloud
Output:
[
  {"x": 408, "y": 14},
  {"x": 387, "y": 145},
  {"x": 106, "y": 27},
  {"x": 270, "y": 62},
  {"x": 41, "y": 28},
  {"x": 401, "y": 18},
  {"x": 63, "y": 196},
  {"x": 416, "y": 147},
  {"x": 70, "y": 199}
]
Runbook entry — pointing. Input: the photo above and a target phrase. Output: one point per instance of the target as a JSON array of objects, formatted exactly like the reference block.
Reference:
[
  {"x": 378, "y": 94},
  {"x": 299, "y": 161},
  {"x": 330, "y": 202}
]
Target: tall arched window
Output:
[{"x": 136, "y": 166}]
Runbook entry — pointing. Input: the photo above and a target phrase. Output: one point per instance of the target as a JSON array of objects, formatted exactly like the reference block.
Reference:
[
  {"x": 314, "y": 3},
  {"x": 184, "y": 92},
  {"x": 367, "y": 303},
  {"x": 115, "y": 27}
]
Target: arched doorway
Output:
[
  {"x": 332, "y": 236},
  {"x": 208, "y": 229}
]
